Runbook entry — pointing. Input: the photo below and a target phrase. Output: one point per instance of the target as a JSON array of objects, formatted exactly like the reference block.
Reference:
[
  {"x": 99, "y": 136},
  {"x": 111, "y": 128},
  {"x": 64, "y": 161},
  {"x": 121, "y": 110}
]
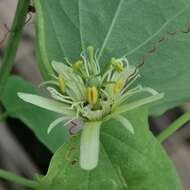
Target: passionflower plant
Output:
[{"x": 87, "y": 96}]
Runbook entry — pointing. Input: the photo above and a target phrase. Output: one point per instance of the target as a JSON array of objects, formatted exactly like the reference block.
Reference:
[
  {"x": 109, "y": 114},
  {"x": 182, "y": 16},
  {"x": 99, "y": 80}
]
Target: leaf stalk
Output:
[
  {"x": 172, "y": 128},
  {"x": 13, "y": 41},
  {"x": 17, "y": 179}
]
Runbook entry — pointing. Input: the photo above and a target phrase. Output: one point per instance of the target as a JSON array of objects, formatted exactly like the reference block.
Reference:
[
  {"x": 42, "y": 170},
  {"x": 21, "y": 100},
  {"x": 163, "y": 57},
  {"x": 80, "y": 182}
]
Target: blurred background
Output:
[{"x": 20, "y": 150}]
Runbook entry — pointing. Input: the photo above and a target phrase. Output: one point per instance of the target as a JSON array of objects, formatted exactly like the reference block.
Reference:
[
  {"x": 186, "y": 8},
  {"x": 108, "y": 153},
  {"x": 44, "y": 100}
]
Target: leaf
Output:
[
  {"x": 60, "y": 27},
  {"x": 133, "y": 162},
  {"x": 121, "y": 28},
  {"x": 35, "y": 118}
]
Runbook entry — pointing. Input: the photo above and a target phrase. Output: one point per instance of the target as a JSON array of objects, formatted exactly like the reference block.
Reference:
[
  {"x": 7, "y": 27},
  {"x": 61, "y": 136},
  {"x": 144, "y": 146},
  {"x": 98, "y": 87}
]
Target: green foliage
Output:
[
  {"x": 134, "y": 162},
  {"x": 118, "y": 28},
  {"x": 35, "y": 118},
  {"x": 122, "y": 28}
]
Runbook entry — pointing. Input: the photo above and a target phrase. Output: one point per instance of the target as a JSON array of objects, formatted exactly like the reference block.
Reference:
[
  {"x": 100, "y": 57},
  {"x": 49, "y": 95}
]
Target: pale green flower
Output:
[{"x": 85, "y": 95}]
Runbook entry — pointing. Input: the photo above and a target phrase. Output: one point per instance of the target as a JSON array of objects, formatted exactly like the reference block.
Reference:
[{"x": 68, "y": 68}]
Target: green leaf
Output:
[
  {"x": 35, "y": 118},
  {"x": 60, "y": 28},
  {"x": 121, "y": 28},
  {"x": 133, "y": 162}
]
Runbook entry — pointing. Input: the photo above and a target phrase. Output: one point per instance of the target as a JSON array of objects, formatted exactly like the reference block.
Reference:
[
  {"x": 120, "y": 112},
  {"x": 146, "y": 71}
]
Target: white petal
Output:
[
  {"x": 150, "y": 90},
  {"x": 46, "y": 103},
  {"x": 138, "y": 103},
  {"x": 55, "y": 123},
  {"x": 89, "y": 146},
  {"x": 60, "y": 68},
  {"x": 48, "y": 82},
  {"x": 125, "y": 122}
]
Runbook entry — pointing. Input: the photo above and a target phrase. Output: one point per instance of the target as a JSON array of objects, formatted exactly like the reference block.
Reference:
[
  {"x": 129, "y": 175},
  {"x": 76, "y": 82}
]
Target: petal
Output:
[
  {"x": 46, "y": 103},
  {"x": 89, "y": 145},
  {"x": 60, "y": 68},
  {"x": 58, "y": 96},
  {"x": 55, "y": 123},
  {"x": 125, "y": 122},
  {"x": 138, "y": 103},
  {"x": 75, "y": 86},
  {"x": 48, "y": 82}
]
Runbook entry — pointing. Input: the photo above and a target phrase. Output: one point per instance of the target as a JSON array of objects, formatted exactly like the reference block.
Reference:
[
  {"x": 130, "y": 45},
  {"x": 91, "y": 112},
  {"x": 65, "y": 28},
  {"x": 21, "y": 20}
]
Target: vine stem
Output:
[
  {"x": 7, "y": 63},
  {"x": 174, "y": 127},
  {"x": 13, "y": 41},
  {"x": 17, "y": 179}
]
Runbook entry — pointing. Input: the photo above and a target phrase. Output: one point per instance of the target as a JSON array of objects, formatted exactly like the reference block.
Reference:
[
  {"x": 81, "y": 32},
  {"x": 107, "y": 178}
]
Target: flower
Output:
[{"x": 87, "y": 96}]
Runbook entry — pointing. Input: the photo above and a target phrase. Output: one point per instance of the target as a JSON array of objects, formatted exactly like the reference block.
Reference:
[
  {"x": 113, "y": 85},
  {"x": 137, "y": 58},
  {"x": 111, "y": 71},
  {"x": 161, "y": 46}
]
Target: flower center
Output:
[
  {"x": 92, "y": 95},
  {"x": 88, "y": 91}
]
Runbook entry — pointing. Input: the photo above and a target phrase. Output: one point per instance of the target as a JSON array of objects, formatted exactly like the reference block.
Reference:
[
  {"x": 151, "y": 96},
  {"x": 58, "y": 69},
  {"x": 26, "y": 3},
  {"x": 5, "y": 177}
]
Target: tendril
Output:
[{"x": 154, "y": 48}]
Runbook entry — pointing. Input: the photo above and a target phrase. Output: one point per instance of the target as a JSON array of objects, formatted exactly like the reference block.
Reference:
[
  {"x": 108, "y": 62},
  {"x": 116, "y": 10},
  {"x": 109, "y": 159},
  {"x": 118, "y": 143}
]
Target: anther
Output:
[
  {"x": 92, "y": 95},
  {"x": 61, "y": 83},
  {"x": 117, "y": 65},
  {"x": 77, "y": 64},
  {"x": 117, "y": 86}
]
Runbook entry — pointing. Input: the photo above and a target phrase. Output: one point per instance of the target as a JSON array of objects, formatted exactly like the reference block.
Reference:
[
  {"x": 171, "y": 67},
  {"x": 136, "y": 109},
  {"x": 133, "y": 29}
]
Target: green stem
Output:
[
  {"x": 17, "y": 179},
  {"x": 12, "y": 44},
  {"x": 174, "y": 127}
]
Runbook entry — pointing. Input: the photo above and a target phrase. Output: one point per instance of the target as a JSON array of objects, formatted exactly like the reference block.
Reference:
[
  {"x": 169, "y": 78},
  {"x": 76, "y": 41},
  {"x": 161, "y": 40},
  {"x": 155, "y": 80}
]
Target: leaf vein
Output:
[{"x": 110, "y": 29}]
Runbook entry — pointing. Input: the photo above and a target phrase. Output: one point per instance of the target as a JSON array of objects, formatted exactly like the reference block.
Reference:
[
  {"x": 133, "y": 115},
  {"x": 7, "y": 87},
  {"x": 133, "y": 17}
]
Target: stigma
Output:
[{"x": 117, "y": 65}]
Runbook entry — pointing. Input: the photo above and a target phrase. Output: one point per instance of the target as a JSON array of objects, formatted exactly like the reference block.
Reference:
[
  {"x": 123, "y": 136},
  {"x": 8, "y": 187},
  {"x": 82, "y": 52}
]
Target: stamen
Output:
[
  {"x": 61, "y": 83},
  {"x": 120, "y": 100},
  {"x": 118, "y": 86},
  {"x": 93, "y": 64},
  {"x": 77, "y": 64},
  {"x": 124, "y": 60},
  {"x": 92, "y": 95},
  {"x": 106, "y": 74},
  {"x": 117, "y": 65},
  {"x": 109, "y": 78},
  {"x": 58, "y": 96},
  {"x": 67, "y": 61},
  {"x": 106, "y": 94},
  {"x": 85, "y": 63},
  {"x": 130, "y": 83},
  {"x": 96, "y": 61}
]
